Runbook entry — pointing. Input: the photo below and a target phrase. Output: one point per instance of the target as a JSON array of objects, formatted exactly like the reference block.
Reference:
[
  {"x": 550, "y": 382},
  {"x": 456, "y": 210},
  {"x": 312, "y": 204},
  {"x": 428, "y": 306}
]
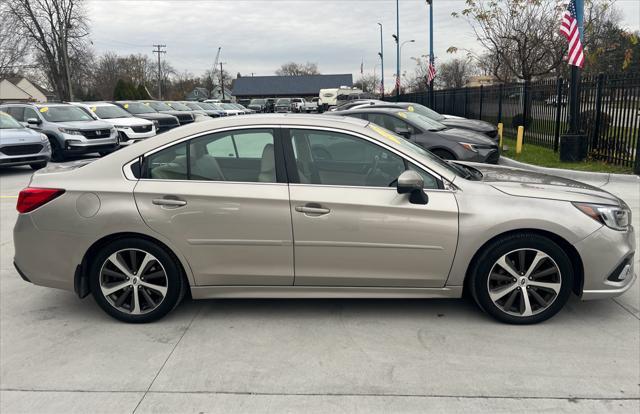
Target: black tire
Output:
[
  {"x": 444, "y": 154},
  {"x": 57, "y": 155},
  {"x": 176, "y": 284},
  {"x": 483, "y": 265},
  {"x": 38, "y": 165}
]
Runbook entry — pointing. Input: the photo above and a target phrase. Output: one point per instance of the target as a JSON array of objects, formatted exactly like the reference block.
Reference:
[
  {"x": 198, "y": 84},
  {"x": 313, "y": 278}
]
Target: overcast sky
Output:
[{"x": 257, "y": 36}]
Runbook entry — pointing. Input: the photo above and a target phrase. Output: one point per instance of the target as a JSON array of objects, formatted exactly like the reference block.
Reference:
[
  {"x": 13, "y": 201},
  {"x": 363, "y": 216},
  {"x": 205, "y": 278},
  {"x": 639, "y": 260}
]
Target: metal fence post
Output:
[
  {"x": 595, "y": 143},
  {"x": 466, "y": 102},
  {"x": 500, "y": 103},
  {"x": 525, "y": 104},
  {"x": 556, "y": 130},
  {"x": 481, "y": 96}
]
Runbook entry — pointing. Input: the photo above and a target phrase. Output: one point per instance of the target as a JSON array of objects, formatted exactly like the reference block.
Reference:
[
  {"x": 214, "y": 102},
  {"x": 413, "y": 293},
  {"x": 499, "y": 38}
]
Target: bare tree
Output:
[
  {"x": 298, "y": 69},
  {"x": 521, "y": 35},
  {"x": 13, "y": 46},
  {"x": 454, "y": 73},
  {"x": 368, "y": 83},
  {"x": 58, "y": 29}
]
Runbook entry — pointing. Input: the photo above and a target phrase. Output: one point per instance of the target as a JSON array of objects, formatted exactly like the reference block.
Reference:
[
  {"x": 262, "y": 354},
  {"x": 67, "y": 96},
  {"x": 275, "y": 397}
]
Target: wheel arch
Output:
[
  {"x": 81, "y": 277},
  {"x": 572, "y": 254}
]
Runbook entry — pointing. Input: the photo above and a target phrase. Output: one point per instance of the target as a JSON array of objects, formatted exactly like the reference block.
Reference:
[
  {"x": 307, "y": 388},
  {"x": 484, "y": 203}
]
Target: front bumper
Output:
[
  {"x": 44, "y": 155},
  {"x": 604, "y": 255},
  {"x": 132, "y": 135}
]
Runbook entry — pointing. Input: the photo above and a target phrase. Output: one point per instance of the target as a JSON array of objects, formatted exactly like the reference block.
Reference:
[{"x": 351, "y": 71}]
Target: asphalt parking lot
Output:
[{"x": 61, "y": 354}]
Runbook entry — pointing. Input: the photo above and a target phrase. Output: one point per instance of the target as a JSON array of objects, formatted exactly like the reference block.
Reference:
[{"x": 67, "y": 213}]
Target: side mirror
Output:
[
  {"x": 410, "y": 182},
  {"x": 33, "y": 121},
  {"x": 404, "y": 132}
]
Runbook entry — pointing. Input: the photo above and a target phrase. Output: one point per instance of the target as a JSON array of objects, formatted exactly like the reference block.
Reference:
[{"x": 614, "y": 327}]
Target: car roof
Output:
[
  {"x": 373, "y": 108},
  {"x": 97, "y": 103}
]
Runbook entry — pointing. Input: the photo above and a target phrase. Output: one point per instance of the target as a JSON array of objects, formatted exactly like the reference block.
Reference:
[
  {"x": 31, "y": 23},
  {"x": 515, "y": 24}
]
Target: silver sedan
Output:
[{"x": 305, "y": 206}]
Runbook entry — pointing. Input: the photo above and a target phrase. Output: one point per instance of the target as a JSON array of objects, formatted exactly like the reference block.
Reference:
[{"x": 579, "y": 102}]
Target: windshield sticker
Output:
[
  {"x": 93, "y": 109},
  {"x": 126, "y": 106},
  {"x": 44, "y": 109},
  {"x": 384, "y": 133},
  {"x": 402, "y": 115},
  {"x": 410, "y": 108},
  {"x": 146, "y": 103}
]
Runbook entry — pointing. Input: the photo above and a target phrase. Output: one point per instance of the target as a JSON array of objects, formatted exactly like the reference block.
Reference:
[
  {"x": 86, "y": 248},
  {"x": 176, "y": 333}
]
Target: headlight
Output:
[
  {"x": 69, "y": 131},
  {"x": 614, "y": 217},
  {"x": 470, "y": 147},
  {"x": 44, "y": 138}
]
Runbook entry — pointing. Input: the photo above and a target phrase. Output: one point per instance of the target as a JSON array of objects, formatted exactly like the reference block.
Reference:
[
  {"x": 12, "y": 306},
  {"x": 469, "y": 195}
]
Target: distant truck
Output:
[
  {"x": 311, "y": 106},
  {"x": 330, "y": 98},
  {"x": 297, "y": 105}
]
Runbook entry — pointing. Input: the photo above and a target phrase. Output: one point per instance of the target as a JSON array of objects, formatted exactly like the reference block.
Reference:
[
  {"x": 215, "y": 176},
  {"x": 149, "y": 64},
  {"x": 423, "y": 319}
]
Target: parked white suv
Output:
[
  {"x": 297, "y": 104},
  {"x": 130, "y": 128}
]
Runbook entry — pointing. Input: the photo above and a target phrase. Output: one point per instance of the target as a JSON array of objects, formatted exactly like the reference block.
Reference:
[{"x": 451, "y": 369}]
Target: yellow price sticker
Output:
[
  {"x": 402, "y": 115},
  {"x": 410, "y": 108},
  {"x": 93, "y": 109},
  {"x": 44, "y": 109},
  {"x": 126, "y": 106},
  {"x": 146, "y": 103},
  {"x": 384, "y": 133}
]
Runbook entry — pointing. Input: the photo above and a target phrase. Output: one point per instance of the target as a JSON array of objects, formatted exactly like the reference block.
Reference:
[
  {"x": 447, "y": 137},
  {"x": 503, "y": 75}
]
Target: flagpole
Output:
[
  {"x": 397, "y": 50},
  {"x": 574, "y": 97},
  {"x": 381, "y": 63},
  {"x": 431, "y": 100}
]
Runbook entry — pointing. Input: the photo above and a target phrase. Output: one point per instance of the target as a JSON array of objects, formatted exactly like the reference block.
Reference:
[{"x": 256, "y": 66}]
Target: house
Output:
[
  {"x": 482, "y": 80},
  {"x": 305, "y": 86},
  {"x": 22, "y": 89},
  {"x": 198, "y": 94}
]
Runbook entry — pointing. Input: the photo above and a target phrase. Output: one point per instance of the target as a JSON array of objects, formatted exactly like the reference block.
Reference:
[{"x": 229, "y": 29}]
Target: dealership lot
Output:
[{"x": 62, "y": 354}]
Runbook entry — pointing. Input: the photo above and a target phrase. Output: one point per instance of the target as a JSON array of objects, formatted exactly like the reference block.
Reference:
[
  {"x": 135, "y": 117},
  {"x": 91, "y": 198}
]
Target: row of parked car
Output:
[
  {"x": 33, "y": 133},
  {"x": 283, "y": 105}
]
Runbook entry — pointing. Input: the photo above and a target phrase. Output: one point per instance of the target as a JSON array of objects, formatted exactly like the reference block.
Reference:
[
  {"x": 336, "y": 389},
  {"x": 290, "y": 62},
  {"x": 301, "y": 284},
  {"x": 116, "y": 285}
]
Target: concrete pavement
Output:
[{"x": 60, "y": 354}]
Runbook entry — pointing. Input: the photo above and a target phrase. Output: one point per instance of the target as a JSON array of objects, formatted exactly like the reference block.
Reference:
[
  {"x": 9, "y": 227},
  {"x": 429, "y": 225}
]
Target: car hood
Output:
[
  {"x": 84, "y": 125},
  {"x": 474, "y": 124},
  {"x": 20, "y": 136},
  {"x": 524, "y": 183},
  {"x": 128, "y": 121},
  {"x": 466, "y": 135},
  {"x": 154, "y": 116}
]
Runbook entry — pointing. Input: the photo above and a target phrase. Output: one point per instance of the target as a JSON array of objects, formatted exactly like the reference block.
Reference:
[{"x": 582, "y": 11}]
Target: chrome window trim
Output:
[{"x": 129, "y": 174}]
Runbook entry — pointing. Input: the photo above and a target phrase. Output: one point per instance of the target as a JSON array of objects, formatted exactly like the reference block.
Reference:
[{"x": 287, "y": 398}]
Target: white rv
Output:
[{"x": 329, "y": 98}]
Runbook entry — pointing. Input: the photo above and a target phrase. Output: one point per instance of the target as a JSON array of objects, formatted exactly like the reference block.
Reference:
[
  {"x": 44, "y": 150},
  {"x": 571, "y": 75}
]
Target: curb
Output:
[{"x": 571, "y": 174}]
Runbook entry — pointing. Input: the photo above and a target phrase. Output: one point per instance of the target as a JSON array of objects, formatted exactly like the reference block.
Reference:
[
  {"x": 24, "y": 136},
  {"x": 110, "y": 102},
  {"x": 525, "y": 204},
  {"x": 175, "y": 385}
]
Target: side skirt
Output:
[{"x": 238, "y": 292}]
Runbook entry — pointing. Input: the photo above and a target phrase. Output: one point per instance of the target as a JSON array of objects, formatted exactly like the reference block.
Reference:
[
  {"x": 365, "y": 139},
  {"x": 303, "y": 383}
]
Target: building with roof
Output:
[
  {"x": 23, "y": 90},
  {"x": 305, "y": 86}
]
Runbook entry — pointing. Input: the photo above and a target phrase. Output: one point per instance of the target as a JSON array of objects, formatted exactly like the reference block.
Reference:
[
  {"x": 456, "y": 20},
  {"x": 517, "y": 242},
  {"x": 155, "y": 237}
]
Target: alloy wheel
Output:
[
  {"x": 524, "y": 282},
  {"x": 133, "y": 281}
]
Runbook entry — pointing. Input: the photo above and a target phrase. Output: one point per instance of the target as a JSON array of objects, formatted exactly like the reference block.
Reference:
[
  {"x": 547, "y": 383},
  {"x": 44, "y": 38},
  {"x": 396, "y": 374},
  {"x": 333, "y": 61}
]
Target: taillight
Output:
[{"x": 31, "y": 198}]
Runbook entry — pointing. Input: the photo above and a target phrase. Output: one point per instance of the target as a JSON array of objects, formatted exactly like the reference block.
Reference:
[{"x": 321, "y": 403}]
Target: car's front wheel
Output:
[
  {"x": 136, "y": 281},
  {"x": 522, "y": 278},
  {"x": 38, "y": 165}
]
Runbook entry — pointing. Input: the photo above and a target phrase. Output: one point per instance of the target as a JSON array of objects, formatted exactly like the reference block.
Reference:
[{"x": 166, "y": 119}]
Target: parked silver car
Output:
[
  {"x": 22, "y": 146},
  {"x": 284, "y": 206}
]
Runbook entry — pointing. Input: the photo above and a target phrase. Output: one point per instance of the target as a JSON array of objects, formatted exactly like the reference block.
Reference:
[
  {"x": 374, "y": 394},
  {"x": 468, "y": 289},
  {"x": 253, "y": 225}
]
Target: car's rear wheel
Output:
[
  {"x": 136, "y": 281},
  {"x": 522, "y": 279}
]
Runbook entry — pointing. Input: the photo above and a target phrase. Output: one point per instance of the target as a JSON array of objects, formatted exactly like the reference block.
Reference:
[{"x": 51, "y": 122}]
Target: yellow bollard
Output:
[
  {"x": 500, "y": 126},
  {"x": 519, "y": 140}
]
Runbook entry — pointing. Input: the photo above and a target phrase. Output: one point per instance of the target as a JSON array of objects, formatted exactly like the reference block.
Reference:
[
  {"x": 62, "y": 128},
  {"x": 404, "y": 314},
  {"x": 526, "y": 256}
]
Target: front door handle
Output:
[
  {"x": 313, "y": 209},
  {"x": 169, "y": 202}
]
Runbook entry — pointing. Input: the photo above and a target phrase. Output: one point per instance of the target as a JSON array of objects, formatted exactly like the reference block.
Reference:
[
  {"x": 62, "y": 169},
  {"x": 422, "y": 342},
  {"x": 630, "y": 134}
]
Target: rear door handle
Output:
[
  {"x": 314, "y": 209},
  {"x": 169, "y": 202}
]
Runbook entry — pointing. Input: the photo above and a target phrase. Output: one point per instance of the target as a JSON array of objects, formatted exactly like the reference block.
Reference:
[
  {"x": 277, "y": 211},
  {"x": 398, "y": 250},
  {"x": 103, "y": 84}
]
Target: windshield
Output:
[
  {"x": 178, "y": 106},
  {"x": 9, "y": 122},
  {"x": 194, "y": 106},
  {"x": 215, "y": 106},
  {"x": 64, "y": 113},
  {"x": 228, "y": 106},
  {"x": 422, "y": 122},
  {"x": 418, "y": 152},
  {"x": 285, "y": 101},
  {"x": 137, "y": 108},
  {"x": 257, "y": 102},
  {"x": 206, "y": 106},
  {"x": 424, "y": 111},
  {"x": 159, "y": 106},
  {"x": 110, "y": 112}
]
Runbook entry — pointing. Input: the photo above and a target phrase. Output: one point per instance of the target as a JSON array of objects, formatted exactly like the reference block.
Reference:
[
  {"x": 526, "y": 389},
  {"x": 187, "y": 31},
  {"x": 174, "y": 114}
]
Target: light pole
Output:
[
  {"x": 431, "y": 63},
  {"x": 399, "y": 57},
  {"x": 397, "y": 37},
  {"x": 381, "y": 54}
]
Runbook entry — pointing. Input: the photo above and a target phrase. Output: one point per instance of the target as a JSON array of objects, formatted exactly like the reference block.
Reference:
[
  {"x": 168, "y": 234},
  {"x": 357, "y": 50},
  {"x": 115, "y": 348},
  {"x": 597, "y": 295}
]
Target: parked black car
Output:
[
  {"x": 271, "y": 105},
  {"x": 476, "y": 125},
  {"x": 204, "y": 107},
  {"x": 164, "y": 122},
  {"x": 447, "y": 143},
  {"x": 258, "y": 105},
  {"x": 185, "y": 117}
]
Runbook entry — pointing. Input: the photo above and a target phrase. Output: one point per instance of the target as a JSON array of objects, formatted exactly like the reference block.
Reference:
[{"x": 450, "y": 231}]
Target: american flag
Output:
[
  {"x": 397, "y": 82},
  {"x": 569, "y": 29},
  {"x": 431, "y": 73}
]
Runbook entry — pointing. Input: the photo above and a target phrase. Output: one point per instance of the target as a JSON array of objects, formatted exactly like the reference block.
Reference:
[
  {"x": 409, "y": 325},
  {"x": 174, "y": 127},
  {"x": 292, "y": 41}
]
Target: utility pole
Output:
[
  {"x": 222, "y": 80},
  {"x": 431, "y": 60},
  {"x": 381, "y": 54},
  {"x": 67, "y": 71},
  {"x": 397, "y": 37},
  {"x": 159, "y": 51}
]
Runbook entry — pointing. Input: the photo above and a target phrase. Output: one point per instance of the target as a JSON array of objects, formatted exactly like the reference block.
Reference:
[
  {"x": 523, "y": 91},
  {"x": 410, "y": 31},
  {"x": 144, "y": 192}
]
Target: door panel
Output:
[
  {"x": 372, "y": 237},
  {"x": 231, "y": 234}
]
